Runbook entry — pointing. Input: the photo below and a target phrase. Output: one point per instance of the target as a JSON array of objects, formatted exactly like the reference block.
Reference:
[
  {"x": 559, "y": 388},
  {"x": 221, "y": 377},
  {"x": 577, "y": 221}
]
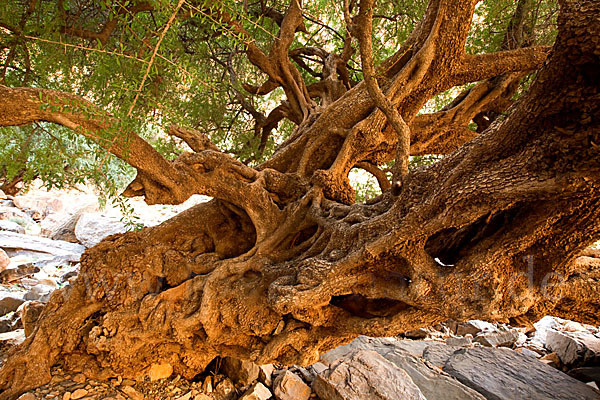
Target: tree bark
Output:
[{"x": 279, "y": 268}]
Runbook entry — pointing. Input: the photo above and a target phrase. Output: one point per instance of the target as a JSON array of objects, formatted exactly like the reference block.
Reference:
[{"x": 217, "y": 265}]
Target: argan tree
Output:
[{"x": 284, "y": 263}]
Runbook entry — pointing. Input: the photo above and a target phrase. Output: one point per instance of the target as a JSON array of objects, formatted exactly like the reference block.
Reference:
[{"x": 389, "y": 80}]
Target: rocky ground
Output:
[{"x": 42, "y": 236}]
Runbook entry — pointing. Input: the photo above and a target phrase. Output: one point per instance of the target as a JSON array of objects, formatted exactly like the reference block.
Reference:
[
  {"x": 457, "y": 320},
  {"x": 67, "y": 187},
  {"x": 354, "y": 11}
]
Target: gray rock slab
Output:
[
  {"x": 10, "y": 240},
  {"x": 434, "y": 384},
  {"x": 503, "y": 374},
  {"x": 365, "y": 375}
]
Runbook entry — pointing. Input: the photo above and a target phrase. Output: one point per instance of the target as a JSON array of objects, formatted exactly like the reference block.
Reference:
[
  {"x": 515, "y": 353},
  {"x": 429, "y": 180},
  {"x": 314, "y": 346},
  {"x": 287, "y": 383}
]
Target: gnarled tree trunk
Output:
[{"x": 281, "y": 266}]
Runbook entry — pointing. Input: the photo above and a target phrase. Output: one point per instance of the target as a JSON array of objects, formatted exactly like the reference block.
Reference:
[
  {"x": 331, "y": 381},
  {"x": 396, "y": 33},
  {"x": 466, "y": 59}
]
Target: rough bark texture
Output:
[{"x": 281, "y": 266}]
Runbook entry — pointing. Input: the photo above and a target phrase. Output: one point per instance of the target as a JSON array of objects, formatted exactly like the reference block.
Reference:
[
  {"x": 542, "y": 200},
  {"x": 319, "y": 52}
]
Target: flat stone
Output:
[
  {"x": 497, "y": 339},
  {"x": 11, "y": 339},
  {"x": 132, "y": 393},
  {"x": 10, "y": 240},
  {"x": 9, "y": 302},
  {"x": 365, "y": 375},
  {"x": 503, "y": 374},
  {"x": 160, "y": 371},
  {"x": 459, "y": 341},
  {"x": 258, "y": 391},
  {"x": 27, "y": 396},
  {"x": 11, "y": 226},
  {"x": 289, "y": 386},
  {"x": 474, "y": 327},
  {"x": 78, "y": 394}
]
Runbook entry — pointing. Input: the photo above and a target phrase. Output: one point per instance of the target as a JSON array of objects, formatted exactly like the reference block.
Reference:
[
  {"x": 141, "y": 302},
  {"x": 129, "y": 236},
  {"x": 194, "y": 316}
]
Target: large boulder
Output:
[
  {"x": 365, "y": 375},
  {"x": 62, "y": 226},
  {"x": 91, "y": 228},
  {"x": 431, "y": 382},
  {"x": 574, "y": 348},
  {"x": 503, "y": 374}
]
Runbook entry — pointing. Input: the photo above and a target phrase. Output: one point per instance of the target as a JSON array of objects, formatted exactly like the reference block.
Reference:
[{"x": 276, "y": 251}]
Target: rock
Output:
[
  {"x": 543, "y": 326},
  {"x": 11, "y": 226},
  {"x": 552, "y": 360},
  {"x": 258, "y": 391},
  {"x": 42, "y": 205},
  {"x": 415, "y": 347},
  {"x": 4, "y": 260},
  {"x": 364, "y": 374},
  {"x": 433, "y": 384},
  {"x": 132, "y": 393},
  {"x": 243, "y": 372},
  {"x": 5, "y": 326},
  {"x": 474, "y": 327},
  {"x": 64, "y": 229},
  {"x": 15, "y": 215},
  {"x": 420, "y": 333},
  {"x": 459, "y": 341},
  {"x": 224, "y": 390},
  {"x": 496, "y": 339},
  {"x": 91, "y": 228},
  {"x": 11, "y": 339},
  {"x": 586, "y": 374},
  {"x": 9, "y": 302},
  {"x": 30, "y": 313},
  {"x": 289, "y": 386},
  {"x": 318, "y": 367},
  {"x": 39, "y": 293},
  {"x": 265, "y": 375},
  {"x": 527, "y": 352},
  {"x": 78, "y": 394},
  {"x": 574, "y": 348},
  {"x": 502, "y": 374},
  {"x": 2, "y": 195},
  {"x": 27, "y": 396},
  {"x": 13, "y": 274},
  {"x": 9, "y": 240},
  {"x": 186, "y": 396},
  {"x": 438, "y": 354},
  {"x": 160, "y": 371}
]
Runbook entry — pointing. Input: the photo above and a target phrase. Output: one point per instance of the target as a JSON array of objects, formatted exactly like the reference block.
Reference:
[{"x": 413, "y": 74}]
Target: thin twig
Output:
[{"x": 151, "y": 62}]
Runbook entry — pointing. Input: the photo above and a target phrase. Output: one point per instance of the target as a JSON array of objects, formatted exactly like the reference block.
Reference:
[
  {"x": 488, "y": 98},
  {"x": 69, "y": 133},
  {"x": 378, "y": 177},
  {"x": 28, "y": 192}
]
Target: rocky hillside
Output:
[{"x": 42, "y": 237}]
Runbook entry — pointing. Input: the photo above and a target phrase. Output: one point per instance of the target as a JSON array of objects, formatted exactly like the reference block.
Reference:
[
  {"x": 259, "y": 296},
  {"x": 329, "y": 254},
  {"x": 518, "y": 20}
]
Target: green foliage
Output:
[{"x": 186, "y": 80}]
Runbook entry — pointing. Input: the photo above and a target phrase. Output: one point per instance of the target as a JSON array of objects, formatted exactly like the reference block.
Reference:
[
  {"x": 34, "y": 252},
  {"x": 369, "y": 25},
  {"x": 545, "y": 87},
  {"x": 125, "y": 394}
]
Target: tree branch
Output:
[{"x": 483, "y": 66}]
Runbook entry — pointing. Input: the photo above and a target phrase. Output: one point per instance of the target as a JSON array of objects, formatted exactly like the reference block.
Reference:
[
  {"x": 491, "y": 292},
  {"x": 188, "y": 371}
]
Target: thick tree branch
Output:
[{"x": 483, "y": 66}]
